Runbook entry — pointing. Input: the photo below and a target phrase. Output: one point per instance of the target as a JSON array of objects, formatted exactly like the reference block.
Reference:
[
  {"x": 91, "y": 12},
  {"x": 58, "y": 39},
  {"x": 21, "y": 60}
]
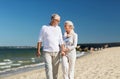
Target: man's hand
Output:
[
  {"x": 38, "y": 54},
  {"x": 38, "y": 49}
]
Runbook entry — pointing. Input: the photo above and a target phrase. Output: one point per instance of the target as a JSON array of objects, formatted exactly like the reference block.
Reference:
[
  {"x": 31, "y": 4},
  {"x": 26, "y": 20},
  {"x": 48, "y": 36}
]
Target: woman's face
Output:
[{"x": 67, "y": 27}]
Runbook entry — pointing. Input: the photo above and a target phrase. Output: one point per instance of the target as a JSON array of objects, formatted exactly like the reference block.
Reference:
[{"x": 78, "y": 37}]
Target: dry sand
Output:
[{"x": 104, "y": 64}]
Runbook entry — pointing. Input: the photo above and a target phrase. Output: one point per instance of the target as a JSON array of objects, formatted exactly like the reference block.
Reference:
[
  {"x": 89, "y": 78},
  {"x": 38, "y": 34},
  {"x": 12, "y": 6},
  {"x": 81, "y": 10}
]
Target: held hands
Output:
[{"x": 64, "y": 52}]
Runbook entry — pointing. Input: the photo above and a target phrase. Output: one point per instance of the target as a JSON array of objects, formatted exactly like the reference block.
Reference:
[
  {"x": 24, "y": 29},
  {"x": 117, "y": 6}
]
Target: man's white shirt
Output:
[{"x": 51, "y": 38}]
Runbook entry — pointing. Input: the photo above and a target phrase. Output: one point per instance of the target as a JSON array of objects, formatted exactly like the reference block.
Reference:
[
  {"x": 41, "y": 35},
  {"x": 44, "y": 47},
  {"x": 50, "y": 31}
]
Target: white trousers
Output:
[
  {"x": 52, "y": 60},
  {"x": 68, "y": 65}
]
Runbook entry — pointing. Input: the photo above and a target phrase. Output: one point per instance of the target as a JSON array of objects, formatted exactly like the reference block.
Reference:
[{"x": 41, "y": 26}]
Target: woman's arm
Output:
[{"x": 75, "y": 40}]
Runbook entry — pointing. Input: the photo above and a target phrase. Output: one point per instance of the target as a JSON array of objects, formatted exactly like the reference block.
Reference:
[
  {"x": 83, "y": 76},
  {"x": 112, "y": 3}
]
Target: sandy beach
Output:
[{"x": 104, "y": 64}]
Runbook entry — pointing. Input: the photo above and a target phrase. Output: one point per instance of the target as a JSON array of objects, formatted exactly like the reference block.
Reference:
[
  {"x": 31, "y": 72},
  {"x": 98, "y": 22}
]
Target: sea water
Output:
[{"x": 16, "y": 59}]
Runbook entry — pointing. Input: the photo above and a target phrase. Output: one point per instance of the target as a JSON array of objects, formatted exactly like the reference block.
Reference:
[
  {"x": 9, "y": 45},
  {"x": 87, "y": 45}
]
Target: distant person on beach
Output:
[
  {"x": 69, "y": 55},
  {"x": 51, "y": 39}
]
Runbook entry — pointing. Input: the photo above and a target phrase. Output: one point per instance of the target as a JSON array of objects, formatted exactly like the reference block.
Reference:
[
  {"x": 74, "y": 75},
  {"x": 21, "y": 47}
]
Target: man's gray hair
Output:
[{"x": 55, "y": 16}]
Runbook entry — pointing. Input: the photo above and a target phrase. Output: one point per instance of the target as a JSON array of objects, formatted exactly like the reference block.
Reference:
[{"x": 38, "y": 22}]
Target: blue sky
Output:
[{"x": 94, "y": 20}]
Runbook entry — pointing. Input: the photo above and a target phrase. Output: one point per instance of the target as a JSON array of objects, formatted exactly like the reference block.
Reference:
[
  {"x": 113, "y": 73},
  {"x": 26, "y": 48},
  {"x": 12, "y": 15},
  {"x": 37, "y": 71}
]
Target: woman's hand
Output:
[{"x": 66, "y": 50}]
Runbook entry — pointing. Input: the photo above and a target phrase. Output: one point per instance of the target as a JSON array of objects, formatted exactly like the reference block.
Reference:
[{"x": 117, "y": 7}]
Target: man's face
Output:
[{"x": 55, "y": 21}]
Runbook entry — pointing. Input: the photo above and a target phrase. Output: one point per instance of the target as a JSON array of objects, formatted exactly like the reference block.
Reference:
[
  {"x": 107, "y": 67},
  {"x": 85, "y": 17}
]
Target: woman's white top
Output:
[{"x": 70, "y": 41}]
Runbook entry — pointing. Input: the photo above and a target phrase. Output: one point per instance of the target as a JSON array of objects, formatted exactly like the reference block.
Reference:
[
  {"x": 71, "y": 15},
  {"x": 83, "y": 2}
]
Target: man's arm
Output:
[
  {"x": 40, "y": 39},
  {"x": 62, "y": 47},
  {"x": 39, "y": 44}
]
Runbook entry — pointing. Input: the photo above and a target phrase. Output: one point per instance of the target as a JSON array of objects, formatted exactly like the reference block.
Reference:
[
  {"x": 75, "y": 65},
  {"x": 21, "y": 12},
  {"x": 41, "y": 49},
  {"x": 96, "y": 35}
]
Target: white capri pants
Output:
[{"x": 68, "y": 65}]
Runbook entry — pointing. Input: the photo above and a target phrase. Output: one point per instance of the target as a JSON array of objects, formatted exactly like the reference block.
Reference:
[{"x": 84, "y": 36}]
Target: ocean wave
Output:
[{"x": 20, "y": 67}]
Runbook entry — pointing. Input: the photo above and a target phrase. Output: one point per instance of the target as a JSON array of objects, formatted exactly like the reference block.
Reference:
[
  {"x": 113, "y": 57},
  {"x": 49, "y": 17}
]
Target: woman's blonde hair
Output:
[{"x": 71, "y": 25}]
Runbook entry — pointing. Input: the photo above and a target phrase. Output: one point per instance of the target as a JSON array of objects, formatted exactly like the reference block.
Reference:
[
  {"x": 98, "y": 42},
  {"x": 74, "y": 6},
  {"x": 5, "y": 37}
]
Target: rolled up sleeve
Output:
[{"x": 41, "y": 35}]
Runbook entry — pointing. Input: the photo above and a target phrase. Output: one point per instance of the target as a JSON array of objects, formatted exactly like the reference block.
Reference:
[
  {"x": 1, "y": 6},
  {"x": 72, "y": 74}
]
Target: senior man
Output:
[{"x": 51, "y": 38}]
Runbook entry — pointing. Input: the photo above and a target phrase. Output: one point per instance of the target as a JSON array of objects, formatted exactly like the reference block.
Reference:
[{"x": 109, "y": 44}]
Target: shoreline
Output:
[
  {"x": 28, "y": 68},
  {"x": 21, "y": 69}
]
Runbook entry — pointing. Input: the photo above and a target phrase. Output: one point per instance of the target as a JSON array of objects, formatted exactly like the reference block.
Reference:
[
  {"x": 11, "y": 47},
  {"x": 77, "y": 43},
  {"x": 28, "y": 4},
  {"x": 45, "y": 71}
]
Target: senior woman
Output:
[{"x": 69, "y": 54}]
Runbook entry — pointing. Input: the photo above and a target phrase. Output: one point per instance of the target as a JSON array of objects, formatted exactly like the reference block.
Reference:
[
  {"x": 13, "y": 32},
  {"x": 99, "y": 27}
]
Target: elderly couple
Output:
[{"x": 54, "y": 45}]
